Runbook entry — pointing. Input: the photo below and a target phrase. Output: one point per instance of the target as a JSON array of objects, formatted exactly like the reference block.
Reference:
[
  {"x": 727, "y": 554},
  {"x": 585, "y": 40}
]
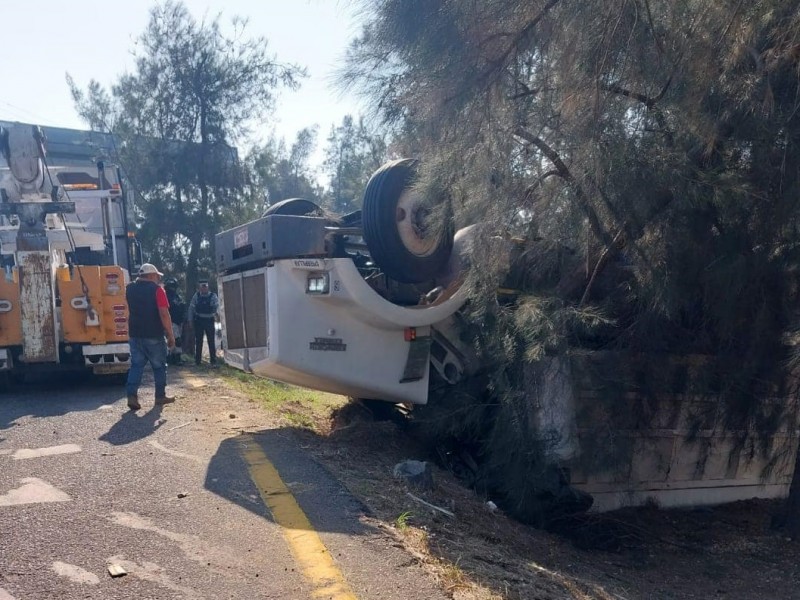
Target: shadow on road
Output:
[
  {"x": 326, "y": 503},
  {"x": 133, "y": 426},
  {"x": 57, "y": 395}
]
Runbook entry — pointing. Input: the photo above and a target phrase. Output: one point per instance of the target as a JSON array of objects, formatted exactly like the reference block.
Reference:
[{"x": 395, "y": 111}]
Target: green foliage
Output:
[
  {"x": 353, "y": 153},
  {"x": 667, "y": 127},
  {"x": 277, "y": 173},
  {"x": 401, "y": 522},
  {"x": 300, "y": 406},
  {"x": 657, "y": 140},
  {"x": 178, "y": 114}
]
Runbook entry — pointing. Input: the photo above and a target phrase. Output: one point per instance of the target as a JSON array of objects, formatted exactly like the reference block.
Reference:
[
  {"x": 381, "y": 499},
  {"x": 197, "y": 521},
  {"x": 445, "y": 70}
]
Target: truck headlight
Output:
[{"x": 317, "y": 283}]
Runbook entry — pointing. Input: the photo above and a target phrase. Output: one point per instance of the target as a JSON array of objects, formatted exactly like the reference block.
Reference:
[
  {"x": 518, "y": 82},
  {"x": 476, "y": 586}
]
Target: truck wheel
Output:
[
  {"x": 296, "y": 207},
  {"x": 394, "y": 218}
]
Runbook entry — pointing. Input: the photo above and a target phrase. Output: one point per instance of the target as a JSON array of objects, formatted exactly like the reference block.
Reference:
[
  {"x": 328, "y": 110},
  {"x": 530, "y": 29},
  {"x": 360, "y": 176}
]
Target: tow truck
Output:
[{"x": 64, "y": 262}]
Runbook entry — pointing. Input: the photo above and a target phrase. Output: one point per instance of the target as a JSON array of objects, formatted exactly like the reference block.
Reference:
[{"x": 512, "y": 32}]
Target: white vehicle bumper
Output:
[{"x": 107, "y": 358}]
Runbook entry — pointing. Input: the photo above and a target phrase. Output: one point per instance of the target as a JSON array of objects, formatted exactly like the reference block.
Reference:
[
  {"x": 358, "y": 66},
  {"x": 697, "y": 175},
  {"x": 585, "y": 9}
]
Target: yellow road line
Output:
[{"x": 305, "y": 544}]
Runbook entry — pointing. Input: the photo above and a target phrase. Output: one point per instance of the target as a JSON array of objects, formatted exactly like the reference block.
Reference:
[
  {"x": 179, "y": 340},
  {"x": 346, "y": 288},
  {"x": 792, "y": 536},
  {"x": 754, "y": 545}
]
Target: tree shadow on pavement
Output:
[
  {"x": 133, "y": 426},
  {"x": 326, "y": 503}
]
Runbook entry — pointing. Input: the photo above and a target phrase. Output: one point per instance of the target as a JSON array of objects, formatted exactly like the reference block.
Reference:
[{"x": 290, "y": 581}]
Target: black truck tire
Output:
[
  {"x": 394, "y": 229},
  {"x": 296, "y": 207}
]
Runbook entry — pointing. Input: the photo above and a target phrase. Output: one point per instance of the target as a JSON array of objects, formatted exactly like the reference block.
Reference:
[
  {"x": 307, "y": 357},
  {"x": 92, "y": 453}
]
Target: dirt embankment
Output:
[
  {"x": 726, "y": 552},
  {"x": 722, "y": 552}
]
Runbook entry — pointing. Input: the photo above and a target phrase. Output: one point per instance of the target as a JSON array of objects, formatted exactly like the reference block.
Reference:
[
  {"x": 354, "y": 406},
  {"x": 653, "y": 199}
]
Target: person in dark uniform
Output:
[
  {"x": 203, "y": 311},
  {"x": 177, "y": 313},
  {"x": 148, "y": 324}
]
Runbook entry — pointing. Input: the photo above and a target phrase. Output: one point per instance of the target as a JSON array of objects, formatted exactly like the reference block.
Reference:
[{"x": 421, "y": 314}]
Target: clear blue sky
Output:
[{"x": 45, "y": 39}]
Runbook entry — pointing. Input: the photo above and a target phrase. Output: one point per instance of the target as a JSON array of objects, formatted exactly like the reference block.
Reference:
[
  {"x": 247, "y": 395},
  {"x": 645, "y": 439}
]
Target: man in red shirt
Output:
[{"x": 148, "y": 323}]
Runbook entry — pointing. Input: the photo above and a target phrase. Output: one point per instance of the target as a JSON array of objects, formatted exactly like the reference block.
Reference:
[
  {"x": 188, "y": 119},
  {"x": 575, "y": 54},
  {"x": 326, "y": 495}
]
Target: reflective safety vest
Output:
[{"x": 203, "y": 308}]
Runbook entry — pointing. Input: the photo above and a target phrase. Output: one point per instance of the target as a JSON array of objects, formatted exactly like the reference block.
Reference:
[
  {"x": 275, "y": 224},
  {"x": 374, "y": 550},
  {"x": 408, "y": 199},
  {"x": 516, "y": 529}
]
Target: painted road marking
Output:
[
  {"x": 171, "y": 452},
  {"x": 5, "y": 452},
  {"x": 24, "y": 453},
  {"x": 219, "y": 559},
  {"x": 153, "y": 573},
  {"x": 305, "y": 544},
  {"x": 74, "y": 573},
  {"x": 33, "y": 491},
  {"x": 4, "y": 595}
]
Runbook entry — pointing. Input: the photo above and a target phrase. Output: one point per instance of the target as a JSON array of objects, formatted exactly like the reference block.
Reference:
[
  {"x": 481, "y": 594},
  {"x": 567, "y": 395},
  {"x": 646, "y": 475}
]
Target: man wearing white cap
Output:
[{"x": 148, "y": 324}]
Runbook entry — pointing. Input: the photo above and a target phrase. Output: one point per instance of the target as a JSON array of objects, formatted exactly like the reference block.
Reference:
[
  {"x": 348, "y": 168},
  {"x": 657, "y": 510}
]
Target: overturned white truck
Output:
[
  {"x": 337, "y": 305},
  {"x": 366, "y": 305}
]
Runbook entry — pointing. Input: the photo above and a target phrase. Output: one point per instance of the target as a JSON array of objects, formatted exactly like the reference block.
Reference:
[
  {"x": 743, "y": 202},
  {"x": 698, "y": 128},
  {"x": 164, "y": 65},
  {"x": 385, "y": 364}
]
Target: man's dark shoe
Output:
[
  {"x": 161, "y": 400},
  {"x": 133, "y": 402}
]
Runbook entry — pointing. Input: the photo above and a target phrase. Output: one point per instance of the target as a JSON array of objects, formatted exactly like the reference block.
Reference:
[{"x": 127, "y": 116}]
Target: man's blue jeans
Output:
[{"x": 154, "y": 351}]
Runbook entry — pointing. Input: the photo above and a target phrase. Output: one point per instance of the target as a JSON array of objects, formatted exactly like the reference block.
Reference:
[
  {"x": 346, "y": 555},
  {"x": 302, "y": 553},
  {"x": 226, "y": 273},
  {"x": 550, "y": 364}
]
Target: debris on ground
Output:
[
  {"x": 415, "y": 472},
  {"x": 429, "y": 505},
  {"x": 116, "y": 570}
]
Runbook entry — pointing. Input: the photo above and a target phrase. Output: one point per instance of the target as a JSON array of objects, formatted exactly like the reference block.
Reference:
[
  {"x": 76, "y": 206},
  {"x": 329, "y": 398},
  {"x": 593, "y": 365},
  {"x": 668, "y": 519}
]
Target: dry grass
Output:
[{"x": 295, "y": 405}]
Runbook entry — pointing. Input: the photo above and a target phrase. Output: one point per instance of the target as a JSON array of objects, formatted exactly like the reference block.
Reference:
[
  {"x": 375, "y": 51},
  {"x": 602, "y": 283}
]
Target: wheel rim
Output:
[{"x": 411, "y": 220}]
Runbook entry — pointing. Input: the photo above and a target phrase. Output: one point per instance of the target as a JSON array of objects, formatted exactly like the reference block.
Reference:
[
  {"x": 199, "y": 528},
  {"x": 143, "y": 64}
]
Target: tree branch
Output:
[
  {"x": 648, "y": 101},
  {"x": 564, "y": 172},
  {"x": 653, "y": 27},
  {"x": 616, "y": 244},
  {"x": 538, "y": 182},
  {"x": 523, "y": 33},
  {"x": 527, "y": 90}
]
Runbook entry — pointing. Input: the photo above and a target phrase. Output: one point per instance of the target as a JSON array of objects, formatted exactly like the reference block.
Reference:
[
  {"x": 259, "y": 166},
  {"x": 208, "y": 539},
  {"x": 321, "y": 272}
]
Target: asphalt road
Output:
[{"x": 181, "y": 500}]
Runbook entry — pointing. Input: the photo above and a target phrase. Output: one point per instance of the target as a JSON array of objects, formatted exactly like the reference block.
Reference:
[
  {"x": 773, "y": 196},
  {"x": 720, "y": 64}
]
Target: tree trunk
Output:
[
  {"x": 792, "y": 508},
  {"x": 205, "y": 219},
  {"x": 192, "y": 275}
]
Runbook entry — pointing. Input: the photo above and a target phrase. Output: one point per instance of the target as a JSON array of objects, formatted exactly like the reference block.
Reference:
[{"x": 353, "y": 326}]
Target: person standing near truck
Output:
[
  {"x": 177, "y": 313},
  {"x": 203, "y": 311},
  {"x": 148, "y": 324}
]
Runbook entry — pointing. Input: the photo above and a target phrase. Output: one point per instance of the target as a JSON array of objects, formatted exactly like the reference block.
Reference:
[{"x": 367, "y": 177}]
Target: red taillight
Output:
[{"x": 410, "y": 334}]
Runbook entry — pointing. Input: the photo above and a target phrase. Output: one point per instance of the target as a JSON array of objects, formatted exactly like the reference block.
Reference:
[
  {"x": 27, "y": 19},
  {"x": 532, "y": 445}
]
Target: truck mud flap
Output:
[{"x": 419, "y": 351}]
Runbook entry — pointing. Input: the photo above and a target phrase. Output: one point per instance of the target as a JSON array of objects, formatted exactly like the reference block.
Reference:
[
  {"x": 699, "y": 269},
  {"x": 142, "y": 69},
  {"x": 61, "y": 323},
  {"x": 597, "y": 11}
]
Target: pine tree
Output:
[
  {"x": 655, "y": 136},
  {"x": 178, "y": 115}
]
